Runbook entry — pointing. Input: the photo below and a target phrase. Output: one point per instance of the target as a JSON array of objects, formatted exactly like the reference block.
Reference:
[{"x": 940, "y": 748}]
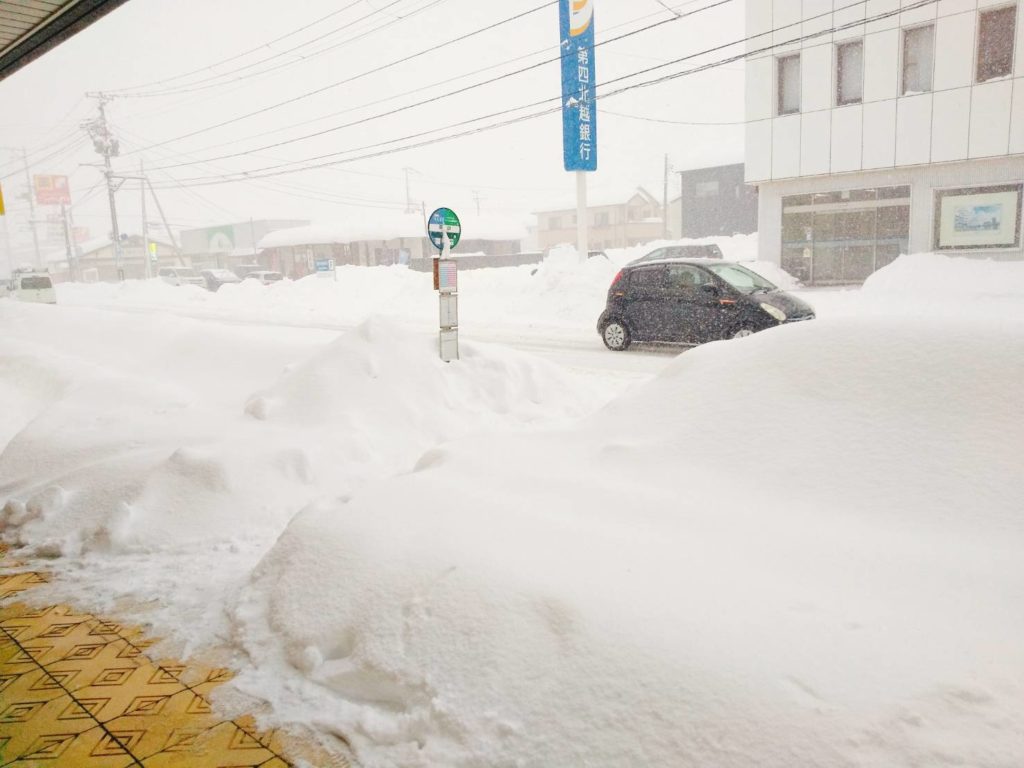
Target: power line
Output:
[
  {"x": 670, "y": 122},
  {"x": 211, "y": 82},
  {"x": 375, "y": 70},
  {"x": 457, "y": 91},
  {"x": 393, "y": 96},
  {"x": 275, "y": 170},
  {"x": 237, "y": 56}
]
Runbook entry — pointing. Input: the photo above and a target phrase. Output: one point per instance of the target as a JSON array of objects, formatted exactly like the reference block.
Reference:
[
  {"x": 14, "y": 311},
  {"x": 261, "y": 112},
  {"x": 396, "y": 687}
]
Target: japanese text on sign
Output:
[{"x": 579, "y": 113}]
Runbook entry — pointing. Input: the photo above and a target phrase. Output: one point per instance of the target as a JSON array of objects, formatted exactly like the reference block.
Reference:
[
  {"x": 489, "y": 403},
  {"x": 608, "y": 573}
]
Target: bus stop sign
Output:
[{"x": 444, "y": 220}]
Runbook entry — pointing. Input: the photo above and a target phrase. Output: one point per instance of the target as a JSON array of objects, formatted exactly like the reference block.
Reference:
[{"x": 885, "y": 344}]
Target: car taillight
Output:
[{"x": 616, "y": 280}]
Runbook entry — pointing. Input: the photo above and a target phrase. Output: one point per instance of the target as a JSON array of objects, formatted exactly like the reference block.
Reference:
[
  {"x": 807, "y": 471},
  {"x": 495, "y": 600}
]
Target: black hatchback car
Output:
[{"x": 690, "y": 301}]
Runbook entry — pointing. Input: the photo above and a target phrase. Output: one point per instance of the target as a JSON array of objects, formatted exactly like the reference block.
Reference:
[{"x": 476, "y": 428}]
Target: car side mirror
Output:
[{"x": 710, "y": 289}]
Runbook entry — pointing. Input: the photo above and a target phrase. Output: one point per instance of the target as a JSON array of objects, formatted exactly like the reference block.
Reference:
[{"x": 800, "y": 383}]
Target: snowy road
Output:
[{"x": 579, "y": 350}]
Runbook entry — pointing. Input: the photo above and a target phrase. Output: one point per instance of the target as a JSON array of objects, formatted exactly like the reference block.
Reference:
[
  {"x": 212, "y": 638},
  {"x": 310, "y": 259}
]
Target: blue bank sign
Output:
[{"x": 579, "y": 105}]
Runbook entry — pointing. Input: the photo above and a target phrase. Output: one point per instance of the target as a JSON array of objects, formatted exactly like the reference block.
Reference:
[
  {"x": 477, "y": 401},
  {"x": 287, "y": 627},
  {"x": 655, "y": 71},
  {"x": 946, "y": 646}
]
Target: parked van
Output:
[{"x": 32, "y": 286}]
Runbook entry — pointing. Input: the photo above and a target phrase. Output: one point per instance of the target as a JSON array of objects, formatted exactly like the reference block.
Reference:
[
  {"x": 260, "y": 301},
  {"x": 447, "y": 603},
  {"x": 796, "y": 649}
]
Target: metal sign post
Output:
[
  {"x": 579, "y": 103},
  {"x": 444, "y": 230}
]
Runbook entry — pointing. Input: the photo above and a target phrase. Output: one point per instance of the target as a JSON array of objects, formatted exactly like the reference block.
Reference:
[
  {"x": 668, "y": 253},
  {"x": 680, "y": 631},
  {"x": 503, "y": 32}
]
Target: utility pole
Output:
[
  {"x": 160, "y": 208},
  {"x": 682, "y": 211},
  {"x": 67, "y": 241},
  {"x": 30, "y": 194},
  {"x": 664, "y": 199},
  {"x": 476, "y": 199},
  {"x": 145, "y": 225},
  {"x": 408, "y": 193},
  {"x": 107, "y": 146}
]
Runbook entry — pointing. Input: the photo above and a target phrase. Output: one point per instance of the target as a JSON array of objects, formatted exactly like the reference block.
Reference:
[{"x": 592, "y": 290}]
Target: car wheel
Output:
[
  {"x": 743, "y": 330},
  {"x": 616, "y": 336}
]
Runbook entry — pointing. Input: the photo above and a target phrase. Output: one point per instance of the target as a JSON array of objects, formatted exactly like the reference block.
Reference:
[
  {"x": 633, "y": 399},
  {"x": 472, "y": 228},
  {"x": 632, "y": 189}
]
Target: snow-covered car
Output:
[
  {"x": 265, "y": 276},
  {"x": 181, "y": 276},
  {"x": 681, "y": 252},
  {"x": 692, "y": 301},
  {"x": 215, "y": 278},
  {"x": 32, "y": 286},
  {"x": 244, "y": 269}
]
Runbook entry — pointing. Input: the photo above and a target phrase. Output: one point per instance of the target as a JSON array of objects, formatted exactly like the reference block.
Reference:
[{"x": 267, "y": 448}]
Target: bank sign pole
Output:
[
  {"x": 579, "y": 103},
  {"x": 445, "y": 230}
]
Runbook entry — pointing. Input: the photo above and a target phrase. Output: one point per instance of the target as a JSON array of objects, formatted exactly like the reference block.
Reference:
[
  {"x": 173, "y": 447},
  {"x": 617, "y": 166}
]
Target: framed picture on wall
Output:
[{"x": 978, "y": 217}]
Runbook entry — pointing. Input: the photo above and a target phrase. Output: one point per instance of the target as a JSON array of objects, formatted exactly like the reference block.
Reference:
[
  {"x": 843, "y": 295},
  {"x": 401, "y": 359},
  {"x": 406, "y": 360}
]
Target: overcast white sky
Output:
[{"x": 515, "y": 169}]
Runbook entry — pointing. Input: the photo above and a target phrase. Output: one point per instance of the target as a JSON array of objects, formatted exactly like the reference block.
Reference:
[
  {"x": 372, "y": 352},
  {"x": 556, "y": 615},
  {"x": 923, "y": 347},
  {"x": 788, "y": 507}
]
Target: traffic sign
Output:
[
  {"x": 324, "y": 265},
  {"x": 1, "y": 201},
  {"x": 442, "y": 221}
]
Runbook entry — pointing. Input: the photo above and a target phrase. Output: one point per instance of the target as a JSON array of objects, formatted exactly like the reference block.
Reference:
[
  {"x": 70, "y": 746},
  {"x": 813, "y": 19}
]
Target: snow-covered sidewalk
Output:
[{"x": 800, "y": 548}]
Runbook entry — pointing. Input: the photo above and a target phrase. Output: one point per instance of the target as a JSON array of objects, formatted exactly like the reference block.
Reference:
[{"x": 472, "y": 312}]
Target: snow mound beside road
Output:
[
  {"x": 801, "y": 548},
  {"x": 118, "y": 451}
]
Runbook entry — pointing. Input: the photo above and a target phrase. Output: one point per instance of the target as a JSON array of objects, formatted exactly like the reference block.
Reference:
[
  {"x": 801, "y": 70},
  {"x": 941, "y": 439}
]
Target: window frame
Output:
[
  {"x": 779, "y": 90},
  {"x": 905, "y": 33},
  {"x": 839, "y": 101},
  {"x": 1013, "y": 43}
]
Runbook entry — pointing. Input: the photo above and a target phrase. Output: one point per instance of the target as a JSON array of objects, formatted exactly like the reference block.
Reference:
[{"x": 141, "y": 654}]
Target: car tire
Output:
[
  {"x": 743, "y": 330},
  {"x": 616, "y": 336}
]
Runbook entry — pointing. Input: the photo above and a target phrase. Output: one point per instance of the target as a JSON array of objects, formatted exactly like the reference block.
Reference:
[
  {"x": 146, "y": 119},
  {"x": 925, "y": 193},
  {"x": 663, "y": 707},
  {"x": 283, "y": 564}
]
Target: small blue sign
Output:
[
  {"x": 579, "y": 80},
  {"x": 324, "y": 265}
]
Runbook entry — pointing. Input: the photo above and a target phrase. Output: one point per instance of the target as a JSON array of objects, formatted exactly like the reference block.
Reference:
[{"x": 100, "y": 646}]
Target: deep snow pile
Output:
[
  {"x": 165, "y": 432},
  {"x": 802, "y": 548}
]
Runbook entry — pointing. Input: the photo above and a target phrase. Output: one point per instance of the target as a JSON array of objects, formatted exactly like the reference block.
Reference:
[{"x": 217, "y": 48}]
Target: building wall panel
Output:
[{"x": 990, "y": 119}]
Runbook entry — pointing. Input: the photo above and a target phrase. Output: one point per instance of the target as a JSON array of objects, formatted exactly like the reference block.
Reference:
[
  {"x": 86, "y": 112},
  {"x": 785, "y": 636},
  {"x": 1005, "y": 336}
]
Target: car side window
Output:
[
  {"x": 655, "y": 255},
  {"x": 684, "y": 279},
  {"x": 647, "y": 281}
]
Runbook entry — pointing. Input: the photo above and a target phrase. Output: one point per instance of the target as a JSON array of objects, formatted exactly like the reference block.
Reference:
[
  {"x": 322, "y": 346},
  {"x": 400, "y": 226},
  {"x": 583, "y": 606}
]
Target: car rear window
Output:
[{"x": 36, "y": 283}]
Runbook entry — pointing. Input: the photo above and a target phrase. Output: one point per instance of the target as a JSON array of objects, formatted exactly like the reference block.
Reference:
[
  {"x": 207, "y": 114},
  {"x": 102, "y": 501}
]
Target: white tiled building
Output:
[{"x": 899, "y": 129}]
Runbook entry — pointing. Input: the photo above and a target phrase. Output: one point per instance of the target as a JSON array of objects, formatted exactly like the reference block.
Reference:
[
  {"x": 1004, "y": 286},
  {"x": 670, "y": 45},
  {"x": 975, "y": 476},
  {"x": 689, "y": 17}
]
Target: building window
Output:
[
  {"x": 706, "y": 189},
  {"x": 601, "y": 219},
  {"x": 788, "y": 84},
  {"x": 995, "y": 42},
  {"x": 555, "y": 222},
  {"x": 849, "y": 73},
  {"x": 918, "y": 59},
  {"x": 843, "y": 236}
]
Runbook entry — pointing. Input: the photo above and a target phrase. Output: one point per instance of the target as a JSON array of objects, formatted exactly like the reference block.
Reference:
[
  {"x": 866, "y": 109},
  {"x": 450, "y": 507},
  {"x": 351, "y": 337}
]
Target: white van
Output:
[{"x": 32, "y": 286}]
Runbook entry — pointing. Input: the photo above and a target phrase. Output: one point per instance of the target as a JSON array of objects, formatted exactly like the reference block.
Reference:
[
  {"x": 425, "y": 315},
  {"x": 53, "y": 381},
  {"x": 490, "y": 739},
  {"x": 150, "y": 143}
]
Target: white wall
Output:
[{"x": 959, "y": 120}]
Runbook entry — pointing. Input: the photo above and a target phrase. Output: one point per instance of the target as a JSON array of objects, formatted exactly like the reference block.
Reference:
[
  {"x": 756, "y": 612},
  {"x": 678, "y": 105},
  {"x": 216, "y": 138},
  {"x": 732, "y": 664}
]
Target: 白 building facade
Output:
[{"x": 884, "y": 127}]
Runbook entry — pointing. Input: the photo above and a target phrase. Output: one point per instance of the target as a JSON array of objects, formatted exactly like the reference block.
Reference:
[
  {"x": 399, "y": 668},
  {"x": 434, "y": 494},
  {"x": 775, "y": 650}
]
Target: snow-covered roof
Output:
[
  {"x": 97, "y": 244},
  {"x": 601, "y": 197},
  {"x": 390, "y": 227}
]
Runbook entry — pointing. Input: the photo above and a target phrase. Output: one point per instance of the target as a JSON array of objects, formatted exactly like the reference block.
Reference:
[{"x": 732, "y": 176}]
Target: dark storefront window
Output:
[{"x": 842, "y": 237}]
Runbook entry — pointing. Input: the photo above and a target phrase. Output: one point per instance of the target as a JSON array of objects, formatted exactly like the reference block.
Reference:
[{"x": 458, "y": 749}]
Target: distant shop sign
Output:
[{"x": 52, "y": 190}]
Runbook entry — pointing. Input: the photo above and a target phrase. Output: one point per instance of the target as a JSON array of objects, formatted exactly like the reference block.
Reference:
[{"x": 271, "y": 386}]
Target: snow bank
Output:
[
  {"x": 559, "y": 294},
  {"x": 113, "y": 450},
  {"x": 802, "y": 548},
  {"x": 934, "y": 276}
]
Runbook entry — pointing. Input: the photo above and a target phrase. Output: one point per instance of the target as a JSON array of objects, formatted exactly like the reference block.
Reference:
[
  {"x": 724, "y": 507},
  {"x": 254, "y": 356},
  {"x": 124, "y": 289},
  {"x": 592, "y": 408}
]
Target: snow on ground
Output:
[{"x": 800, "y": 548}]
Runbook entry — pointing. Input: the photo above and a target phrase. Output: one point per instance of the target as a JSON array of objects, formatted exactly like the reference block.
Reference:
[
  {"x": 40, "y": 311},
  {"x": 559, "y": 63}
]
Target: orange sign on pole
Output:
[{"x": 1, "y": 201}]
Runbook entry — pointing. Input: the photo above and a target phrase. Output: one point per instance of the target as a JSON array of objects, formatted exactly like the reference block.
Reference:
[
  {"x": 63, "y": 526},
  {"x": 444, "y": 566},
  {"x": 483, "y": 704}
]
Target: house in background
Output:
[
  {"x": 96, "y": 260},
  {"x": 714, "y": 201},
  {"x": 228, "y": 245},
  {"x": 900, "y": 133},
  {"x": 615, "y": 220},
  {"x": 381, "y": 240}
]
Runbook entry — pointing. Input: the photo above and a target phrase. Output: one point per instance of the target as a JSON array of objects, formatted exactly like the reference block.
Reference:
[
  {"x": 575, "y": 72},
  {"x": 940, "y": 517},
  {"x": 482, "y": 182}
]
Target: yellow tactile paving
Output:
[{"x": 78, "y": 691}]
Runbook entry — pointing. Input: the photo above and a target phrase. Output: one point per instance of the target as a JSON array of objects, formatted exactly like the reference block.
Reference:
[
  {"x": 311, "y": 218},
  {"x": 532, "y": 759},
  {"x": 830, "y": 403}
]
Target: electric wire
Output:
[
  {"x": 277, "y": 170},
  {"x": 211, "y": 82},
  {"x": 461, "y": 90},
  {"x": 352, "y": 78}
]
